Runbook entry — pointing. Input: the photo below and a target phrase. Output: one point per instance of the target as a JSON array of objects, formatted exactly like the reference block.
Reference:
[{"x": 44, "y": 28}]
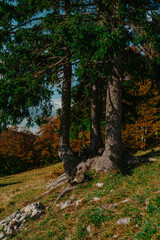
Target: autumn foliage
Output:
[
  {"x": 16, "y": 150},
  {"x": 47, "y": 141},
  {"x": 144, "y": 133},
  {"x": 21, "y": 150}
]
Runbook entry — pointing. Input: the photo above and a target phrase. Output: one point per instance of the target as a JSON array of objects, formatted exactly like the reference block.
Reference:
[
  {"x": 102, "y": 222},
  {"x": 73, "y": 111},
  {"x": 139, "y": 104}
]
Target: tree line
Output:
[
  {"x": 41, "y": 44},
  {"x": 21, "y": 150}
]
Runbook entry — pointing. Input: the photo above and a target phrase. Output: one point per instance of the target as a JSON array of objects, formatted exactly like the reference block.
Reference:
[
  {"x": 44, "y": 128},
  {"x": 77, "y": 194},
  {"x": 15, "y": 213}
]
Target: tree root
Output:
[
  {"x": 63, "y": 193},
  {"x": 61, "y": 180}
]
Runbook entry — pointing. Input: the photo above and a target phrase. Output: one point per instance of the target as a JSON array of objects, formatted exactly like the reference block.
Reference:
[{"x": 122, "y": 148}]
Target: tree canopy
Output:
[{"x": 116, "y": 42}]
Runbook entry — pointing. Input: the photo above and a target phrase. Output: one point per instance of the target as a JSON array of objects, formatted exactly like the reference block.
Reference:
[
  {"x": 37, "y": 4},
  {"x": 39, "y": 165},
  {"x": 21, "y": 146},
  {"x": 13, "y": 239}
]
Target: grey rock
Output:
[
  {"x": 115, "y": 236},
  {"x": 72, "y": 197},
  {"x": 35, "y": 209},
  {"x": 18, "y": 215},
  {"x": 1, "y": 235},
  {"x": 36, "y": 213},
  {"x": 126, "y": 200},
  {"x": 88, "y": 229},
  {"x": 23, "y": 217},
  {"x": 99, "y": 185},
  {"x": 123, "y": 221},
  {"x": 8, "y": 230},
  {"x": 65, "y": 204},
  {"x": 13, "y": 223},
  {"x": 95, "y": 199},
  {"x": 3, "y": 222},
  {"x": 78, "y": 202},
  {"x": 13, "y": 215},
  {"x": 67, "y": 238}
]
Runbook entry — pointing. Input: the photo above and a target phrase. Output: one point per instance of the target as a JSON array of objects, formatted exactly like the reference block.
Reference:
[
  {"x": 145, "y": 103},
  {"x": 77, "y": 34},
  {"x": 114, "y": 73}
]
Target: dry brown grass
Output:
[
  {"x": 150, "y": 152},
  {"x": 140, "y": 184},
  {"x": 19, "y": 189}
]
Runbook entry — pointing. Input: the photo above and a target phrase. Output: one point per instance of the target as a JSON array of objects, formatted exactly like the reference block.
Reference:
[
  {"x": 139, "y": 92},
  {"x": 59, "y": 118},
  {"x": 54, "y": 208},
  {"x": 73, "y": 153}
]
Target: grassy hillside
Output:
[
  {"x": 16, "y": 191},
  {"x": 90, "y": 219}
]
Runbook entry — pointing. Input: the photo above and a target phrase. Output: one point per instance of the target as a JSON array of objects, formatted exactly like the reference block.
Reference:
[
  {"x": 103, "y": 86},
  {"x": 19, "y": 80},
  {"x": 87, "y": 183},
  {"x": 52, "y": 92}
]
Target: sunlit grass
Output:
[
  {"x": 141, "y": 185},
  {"x": 19, "y": 189}
]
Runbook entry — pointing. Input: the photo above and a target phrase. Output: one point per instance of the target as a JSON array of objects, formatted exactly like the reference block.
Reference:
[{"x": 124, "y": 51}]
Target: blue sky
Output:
[{"x": 56, "y": 103}]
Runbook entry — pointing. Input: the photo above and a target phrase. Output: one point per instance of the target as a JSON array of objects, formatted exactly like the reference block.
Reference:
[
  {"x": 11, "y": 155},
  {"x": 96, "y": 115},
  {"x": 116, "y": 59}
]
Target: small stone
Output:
[
  {"x": 88, "y": 229},
  {"x": 72, "y": 197},
  {"x": 95, "y": 199},
  {"x": 3, "y": 222},
  {"x": 99, "y": 185},
  {"x": 23, "y": 217},
  {"x": 13, "y": 215},
  {"x": 35, "y": 213},
  {"x": 115, "y": 236},
  {"x": 111, "y": 206},
  {"x": 14, "y": 224},
  {"x": 65, "y": 204},
  {"x": 126, "y": 200},
  {"x": 1, "y": 235},
  {"x": 28, "y": 209},
  {"x": 147, "y": 202},
  {"x": 8, "y": 230},
  {"x": 78, "y": 202},
  {"x": 67, "y": 238},
  {"x": 18, "y": 215},
  {"x": 124, "y": 221}
]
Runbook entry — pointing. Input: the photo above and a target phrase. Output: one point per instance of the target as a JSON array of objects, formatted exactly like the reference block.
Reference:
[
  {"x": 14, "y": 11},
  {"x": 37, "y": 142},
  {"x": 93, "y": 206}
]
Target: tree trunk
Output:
[
  {"x": 96, "y": 142},
  {"x": 112, "y": 156},
  {"x": 65, "y": 152}
]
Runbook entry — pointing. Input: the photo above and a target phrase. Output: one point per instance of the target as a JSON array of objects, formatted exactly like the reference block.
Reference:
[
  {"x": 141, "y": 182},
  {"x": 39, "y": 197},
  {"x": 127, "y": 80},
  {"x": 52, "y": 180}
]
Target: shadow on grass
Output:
[
  {"x": 138, "y": 161},
  {"x": 8, "y": 184},
  {"x": 151, "y": 154}
]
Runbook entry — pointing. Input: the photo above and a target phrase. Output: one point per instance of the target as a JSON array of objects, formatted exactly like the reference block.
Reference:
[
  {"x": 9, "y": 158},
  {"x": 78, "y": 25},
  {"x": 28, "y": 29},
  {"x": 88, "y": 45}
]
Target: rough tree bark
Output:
[
  {"x": 96, "y": 142},
  {"x": 112, "y": 156},
  {"x": 65, "y": 153}
]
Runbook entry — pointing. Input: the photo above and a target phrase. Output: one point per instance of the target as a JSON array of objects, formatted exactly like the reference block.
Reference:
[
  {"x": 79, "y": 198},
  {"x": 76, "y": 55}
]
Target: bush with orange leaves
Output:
[
  {"x": 145, "y": 132},
  {"x": 16, "y": 150},
  {"x": 47, "y": 141}
]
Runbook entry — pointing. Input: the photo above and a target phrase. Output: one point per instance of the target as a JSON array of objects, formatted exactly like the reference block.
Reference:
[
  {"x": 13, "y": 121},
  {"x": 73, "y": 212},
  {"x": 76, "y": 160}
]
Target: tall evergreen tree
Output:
[{"x": 39, "y": 38}]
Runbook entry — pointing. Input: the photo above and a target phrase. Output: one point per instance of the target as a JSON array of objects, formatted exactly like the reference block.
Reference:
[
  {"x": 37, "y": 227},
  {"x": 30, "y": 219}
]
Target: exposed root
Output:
[
  {"x": 61, "y": 180},
  {"x": 63, "y": 193}
]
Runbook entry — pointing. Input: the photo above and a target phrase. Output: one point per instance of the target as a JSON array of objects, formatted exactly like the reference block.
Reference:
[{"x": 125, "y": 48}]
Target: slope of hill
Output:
[{"x": 122, "y": 206}]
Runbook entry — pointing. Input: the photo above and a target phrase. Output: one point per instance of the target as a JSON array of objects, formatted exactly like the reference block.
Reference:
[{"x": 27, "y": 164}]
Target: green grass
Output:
[{"x": 141, "y": 185}]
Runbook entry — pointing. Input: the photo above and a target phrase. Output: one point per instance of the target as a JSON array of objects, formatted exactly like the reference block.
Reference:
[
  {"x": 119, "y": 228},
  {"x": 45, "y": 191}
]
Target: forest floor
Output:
[{"x": 93, "y": 211}]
